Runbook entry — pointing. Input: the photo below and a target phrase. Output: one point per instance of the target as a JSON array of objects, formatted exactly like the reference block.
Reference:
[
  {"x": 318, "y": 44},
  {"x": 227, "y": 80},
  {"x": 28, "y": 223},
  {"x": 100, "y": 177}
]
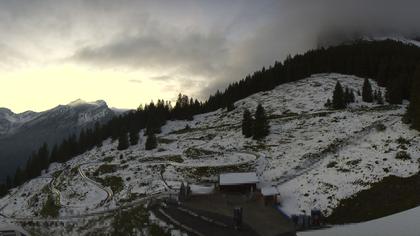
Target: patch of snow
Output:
[
  {"x": 238, "y": 178},
  {"x": 404, "y": 223},
  {"x": 269, "y": 191},
  {"x": 80, "y": 102}
]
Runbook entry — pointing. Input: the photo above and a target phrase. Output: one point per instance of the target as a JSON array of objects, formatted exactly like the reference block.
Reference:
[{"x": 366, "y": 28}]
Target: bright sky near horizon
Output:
[
  {"x": 42, "y": 88},
  {"x": 129, "y": 52}
]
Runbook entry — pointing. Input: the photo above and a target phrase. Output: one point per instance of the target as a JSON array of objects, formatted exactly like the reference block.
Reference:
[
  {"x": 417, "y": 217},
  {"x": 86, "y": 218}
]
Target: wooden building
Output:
[
  {"x": 270, "y": 195},
  {"x": 238, "y": 182}
]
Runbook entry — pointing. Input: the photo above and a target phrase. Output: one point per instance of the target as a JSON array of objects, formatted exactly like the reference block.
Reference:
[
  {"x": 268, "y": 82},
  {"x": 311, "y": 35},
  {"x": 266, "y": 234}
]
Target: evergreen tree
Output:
[
  {"x": 328, "y": 104},
  {"x": 19, "y": 178},
  {"x": 8, "y": 183},
  {"x": 29, "y": 170},
  {"x": 43, "y": 157},
  {"x": 349, "y": 96},
  {"x": 123, "y": 141},
  {"x": 379, "y": 97},
  {"x": 338, "y": 100},
  {"x": 134, "y": 137},
  {"x": 247, "y": 124},
  {"x": 151, "y": 142},
  {"x": 3, "y": 190},
  {"x": 97, "y": 135},
  {"x": 413, "y": 112},
  {"x": 352, "y": 97},
  {"x": 394, "y": 90},
  {"x": 367, "y": 95},
  {"x": 54, "y": 154},
  {"x": 261, "y": 127},
  {"x": 152, "y": 126},
  {"x": 230, "y": 106}
]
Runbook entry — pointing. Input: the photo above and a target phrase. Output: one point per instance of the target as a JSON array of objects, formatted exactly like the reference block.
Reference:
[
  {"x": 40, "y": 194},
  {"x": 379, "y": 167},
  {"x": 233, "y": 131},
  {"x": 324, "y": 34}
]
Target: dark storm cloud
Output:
[
  {"x": 193, "y": 52},
  {"x": 303, "y": 25},
  {"x": 201, "y": 45}
]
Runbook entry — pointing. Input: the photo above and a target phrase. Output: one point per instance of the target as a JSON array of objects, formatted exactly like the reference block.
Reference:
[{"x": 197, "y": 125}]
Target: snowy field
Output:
[
  {"x": 314, "y": 156},
  {"x": 404, "y": 223}
]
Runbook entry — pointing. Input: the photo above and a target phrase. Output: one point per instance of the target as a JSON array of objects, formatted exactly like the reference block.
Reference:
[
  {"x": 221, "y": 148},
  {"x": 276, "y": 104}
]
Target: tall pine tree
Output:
[
  {"x": 19, "y": 178},
  {"x": 349, "y": 96},
  {"x": 43, "y": 157},
  {"x": 338, "y": 101},
  {"x": 367, "y": 94},
  {"x": 261, "y": 127},
  {"x": 247, "y": 124},
  {"x": 3, "y": 190},
  {"x": 122, "y": 141},
  {"x": 413, "y": 112},
  {"x": 8, "y": 183},
  {"x": 54, "y": 154},
  {"x": 151, "y": 142},
  {"x": 394, "y": 90},
  {"x": 134, "y": 136}
]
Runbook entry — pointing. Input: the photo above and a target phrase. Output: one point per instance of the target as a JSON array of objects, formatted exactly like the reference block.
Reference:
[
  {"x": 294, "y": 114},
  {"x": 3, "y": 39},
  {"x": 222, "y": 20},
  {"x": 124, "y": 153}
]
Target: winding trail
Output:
[
  {"x": 55, "y": 191},
  {"x": 155, "y": 195},
  {"x": 108, "y": 190}
]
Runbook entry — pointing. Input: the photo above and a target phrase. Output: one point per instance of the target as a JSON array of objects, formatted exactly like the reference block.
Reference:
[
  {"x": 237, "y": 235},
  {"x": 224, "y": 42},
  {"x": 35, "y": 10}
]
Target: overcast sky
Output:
[{"x": 128, "y": 52}]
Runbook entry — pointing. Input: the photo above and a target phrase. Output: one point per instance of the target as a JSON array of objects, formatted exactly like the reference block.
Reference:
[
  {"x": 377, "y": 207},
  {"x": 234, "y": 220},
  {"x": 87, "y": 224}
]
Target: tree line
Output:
[
  {"x": 392, "y": 64},
  {"x": 343, "y": 97}
]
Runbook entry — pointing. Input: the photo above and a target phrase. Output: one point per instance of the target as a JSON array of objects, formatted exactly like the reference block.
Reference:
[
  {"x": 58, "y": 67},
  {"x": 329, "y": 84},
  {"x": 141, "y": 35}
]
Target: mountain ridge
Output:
[{"x": 22, "y": 133}]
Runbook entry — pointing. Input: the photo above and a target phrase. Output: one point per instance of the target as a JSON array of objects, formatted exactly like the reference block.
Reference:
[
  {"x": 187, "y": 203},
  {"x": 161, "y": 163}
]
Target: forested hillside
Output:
[{"x": 392, "y": 64}]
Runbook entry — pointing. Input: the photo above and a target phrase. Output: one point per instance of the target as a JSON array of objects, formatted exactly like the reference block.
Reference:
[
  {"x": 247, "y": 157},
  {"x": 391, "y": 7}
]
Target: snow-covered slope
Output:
[
  {"x": 404, "y": 223},
  {"x": 314, "y": 156}
]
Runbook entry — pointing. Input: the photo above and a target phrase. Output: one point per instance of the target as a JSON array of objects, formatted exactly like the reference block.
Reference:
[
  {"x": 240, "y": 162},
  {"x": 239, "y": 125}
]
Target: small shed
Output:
[
  {"x": 271, "y": 195},
  {"x": 238, "y": 182}
]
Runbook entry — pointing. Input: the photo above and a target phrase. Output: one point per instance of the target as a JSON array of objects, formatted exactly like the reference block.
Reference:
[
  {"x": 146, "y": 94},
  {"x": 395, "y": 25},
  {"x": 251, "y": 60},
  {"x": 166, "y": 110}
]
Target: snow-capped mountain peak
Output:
[
  {"x": 20, "y": 134},
  {"x": 80, "y": 102}
]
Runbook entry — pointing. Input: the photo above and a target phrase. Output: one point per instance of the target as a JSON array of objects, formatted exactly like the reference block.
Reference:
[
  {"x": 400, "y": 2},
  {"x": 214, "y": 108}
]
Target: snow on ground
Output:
[
  {"x": 26, "y": 200},
  {"x": 77, "y": 193},
  {"x": 314, "y": 156},
  {"x": 403, "y": 223}
]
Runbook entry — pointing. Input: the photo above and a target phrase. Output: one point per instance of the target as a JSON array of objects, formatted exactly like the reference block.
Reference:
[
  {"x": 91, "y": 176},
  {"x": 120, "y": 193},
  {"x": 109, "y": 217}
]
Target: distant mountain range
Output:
[{"x": 23, "y": 133}]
